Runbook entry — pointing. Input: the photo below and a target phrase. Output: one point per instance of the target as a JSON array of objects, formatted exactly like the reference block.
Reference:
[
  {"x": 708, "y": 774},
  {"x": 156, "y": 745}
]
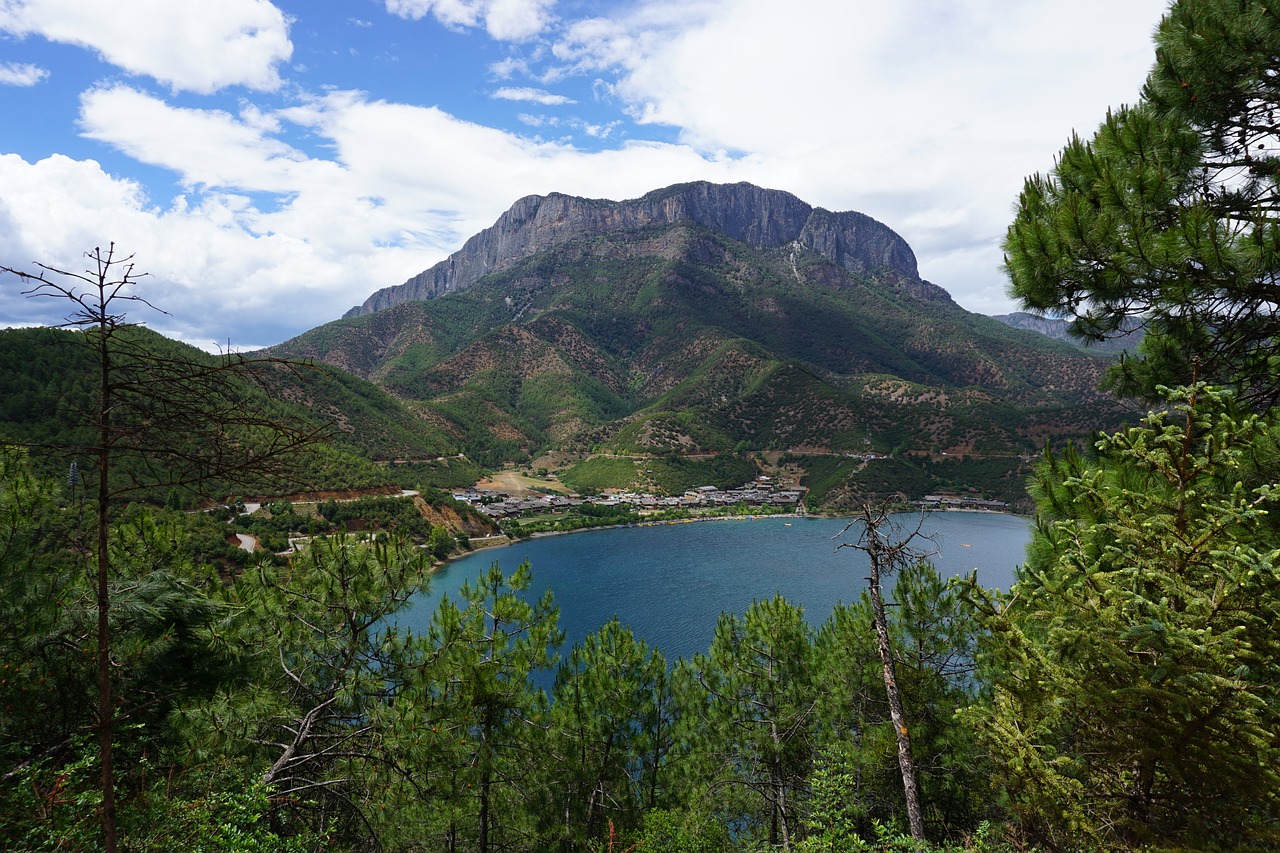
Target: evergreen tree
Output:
[
  {"x": 1167, "y": 217},
  {"x": 156, "y": 420},
  {"x": 483, "y": 711},
  {"x": 610, "y": 734},
  {"x": 316, "y": 718},
  {"x": 856, "y": 782},
  {"x": 164, "y": 626},
  {"x": 1136, "y": 659},
  {"x": 754, "y": 728}
]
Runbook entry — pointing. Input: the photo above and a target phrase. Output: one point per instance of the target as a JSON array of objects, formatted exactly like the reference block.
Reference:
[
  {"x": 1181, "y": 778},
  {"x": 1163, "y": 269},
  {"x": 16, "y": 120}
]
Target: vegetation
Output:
[
  {"x": 455, "y": 472},
  {"x": 47, "y": 392},
  {"x": 592, "y": 476},
  {"x": 680, "y": 342},
  {"x": 1134, "y": 665},
  {"x": 287, "y": 711},
  {"x": 1167, "y": 215},
  {"x": 1122, "y": 695}
]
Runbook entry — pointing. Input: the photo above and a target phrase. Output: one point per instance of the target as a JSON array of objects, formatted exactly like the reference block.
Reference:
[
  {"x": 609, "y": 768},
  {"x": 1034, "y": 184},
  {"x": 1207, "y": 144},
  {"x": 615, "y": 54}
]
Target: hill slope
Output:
[
  {"x": 706, "y": 319},
  {"x": 47, "y": 383}
]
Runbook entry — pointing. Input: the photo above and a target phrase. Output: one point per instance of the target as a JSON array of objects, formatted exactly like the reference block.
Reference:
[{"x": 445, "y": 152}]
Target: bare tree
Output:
[
  {"x": 888, "y": 552},
  {"x": 157, "y": 420}
]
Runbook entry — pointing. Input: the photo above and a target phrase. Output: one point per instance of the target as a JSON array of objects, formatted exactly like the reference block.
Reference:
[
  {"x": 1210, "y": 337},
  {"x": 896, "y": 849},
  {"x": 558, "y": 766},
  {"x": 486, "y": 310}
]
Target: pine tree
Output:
[
  {"x": 483, "y": 710},
  {"x": 157, "y": 420},
  {"x": 756, "y": 723},
  {"x": 610, "y": 731},
  {"x": 1134, "y": 663},
  {"x": 1167, "y": 216}
]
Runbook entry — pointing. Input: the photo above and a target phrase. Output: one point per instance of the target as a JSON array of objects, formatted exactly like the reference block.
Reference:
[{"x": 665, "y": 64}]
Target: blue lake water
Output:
[{"x": 669, "y": 583}]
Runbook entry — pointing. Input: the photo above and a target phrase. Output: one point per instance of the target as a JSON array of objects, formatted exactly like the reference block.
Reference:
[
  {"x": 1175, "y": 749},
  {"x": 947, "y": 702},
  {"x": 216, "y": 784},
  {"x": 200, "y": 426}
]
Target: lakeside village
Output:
[{"x": 762, "y": 494}]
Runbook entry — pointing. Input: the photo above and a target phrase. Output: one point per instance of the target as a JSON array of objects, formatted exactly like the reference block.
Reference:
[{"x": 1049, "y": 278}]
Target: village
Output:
[{"x": 758, "y": 493}]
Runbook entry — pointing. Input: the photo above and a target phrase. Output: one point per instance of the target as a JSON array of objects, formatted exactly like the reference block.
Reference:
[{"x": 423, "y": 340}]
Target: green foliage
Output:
[
  {"x": 601, "y": 472},
  {"x": 450, "y": 473},
  {"x": 52, "y": 806},
  {"x": 674, "y": 475},
  {"x": 611, "y": 730},
  {"x": 933, "y": 632},
  {"x": 1168, "y": 213},
  {"x": 667, "y": 831},
  {"x": 680, "y": 340},
  {"x": 401, "y": 516},
  {"x": 1136, "y": 654},
  {"x": 758, "y": 678},
  {"x": 479, "y": 701},
  {"x": 323, "y": 659}
]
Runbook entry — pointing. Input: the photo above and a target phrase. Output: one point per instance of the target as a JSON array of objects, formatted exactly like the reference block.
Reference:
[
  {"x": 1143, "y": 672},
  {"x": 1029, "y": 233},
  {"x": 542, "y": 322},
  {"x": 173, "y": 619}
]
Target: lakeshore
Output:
[{"x": 670, "y": 582}]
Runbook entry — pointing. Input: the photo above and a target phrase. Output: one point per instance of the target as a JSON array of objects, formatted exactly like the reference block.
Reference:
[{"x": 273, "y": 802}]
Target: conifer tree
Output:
[
  {"x": 483, "y": 710},
  {"x": 755, "y": 726},
  {"x": 1169, "y": 216},
  {"x": 157, "y": 420},
  {"x": 610, "y": 732},
  {"x": 1135, "y": 661}
]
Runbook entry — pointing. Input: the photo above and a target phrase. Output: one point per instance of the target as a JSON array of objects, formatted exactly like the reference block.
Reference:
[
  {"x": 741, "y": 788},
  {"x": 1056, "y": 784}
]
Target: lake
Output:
[{"x": 669, "y": 583}]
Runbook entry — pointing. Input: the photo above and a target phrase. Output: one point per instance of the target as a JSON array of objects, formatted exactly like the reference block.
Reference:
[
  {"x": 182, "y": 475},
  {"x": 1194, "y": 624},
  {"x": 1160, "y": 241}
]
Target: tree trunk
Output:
[
  {"x": 483, "y": 840},
  {"x": 106, "y": 711},
  {"x": 905, "y": 761}
]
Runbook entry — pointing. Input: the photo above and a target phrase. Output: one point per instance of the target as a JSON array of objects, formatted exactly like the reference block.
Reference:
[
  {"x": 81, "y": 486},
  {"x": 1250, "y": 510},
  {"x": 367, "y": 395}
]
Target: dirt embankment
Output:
[{"x": 468, "y": 524}]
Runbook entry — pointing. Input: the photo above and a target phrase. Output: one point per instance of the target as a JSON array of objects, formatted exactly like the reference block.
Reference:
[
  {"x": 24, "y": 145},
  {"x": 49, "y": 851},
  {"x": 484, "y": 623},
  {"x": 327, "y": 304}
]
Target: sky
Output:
[{"x": 269, "y": 165}]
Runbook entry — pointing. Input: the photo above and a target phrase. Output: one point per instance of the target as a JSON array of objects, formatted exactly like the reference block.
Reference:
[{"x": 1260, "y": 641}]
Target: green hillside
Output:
[
  {"x": 678, "y": 340},
  {"x": 45, "y": 399}
]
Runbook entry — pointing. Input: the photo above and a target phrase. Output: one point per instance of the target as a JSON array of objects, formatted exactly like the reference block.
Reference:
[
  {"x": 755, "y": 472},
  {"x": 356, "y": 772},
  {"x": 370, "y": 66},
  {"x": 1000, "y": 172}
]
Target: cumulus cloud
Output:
[
  {"x": 505, "y": 20},
  {"x": 208, "y": 148},
  {"x": 191, "y": 45},
  {"x": 21, "y": 74},
  {"x": 922, "y": 114},
  {"x": 536, "y": 96},
  {"x": 267, "y": 242},
  {"x": 925, "y": 115}
]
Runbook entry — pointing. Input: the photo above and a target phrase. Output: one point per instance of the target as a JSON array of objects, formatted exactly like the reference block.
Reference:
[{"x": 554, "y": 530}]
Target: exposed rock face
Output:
[
  {"x": 1060, "y": 330},
  {"x": 1050, "y": 327},
  {"x": 742, "y": 211}
]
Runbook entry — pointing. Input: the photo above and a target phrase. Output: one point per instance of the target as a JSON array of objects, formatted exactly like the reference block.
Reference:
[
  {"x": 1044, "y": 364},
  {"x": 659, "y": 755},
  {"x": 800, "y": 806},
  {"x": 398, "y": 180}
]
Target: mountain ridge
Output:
[
  {"x": 652, "y": 333},
  {"x": 744, "y": 212}
]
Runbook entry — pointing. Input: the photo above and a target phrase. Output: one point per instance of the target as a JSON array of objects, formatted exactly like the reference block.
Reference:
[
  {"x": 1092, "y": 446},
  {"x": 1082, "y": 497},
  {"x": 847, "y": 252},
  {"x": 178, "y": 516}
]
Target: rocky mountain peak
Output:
[{"x": 742, "y": 211}]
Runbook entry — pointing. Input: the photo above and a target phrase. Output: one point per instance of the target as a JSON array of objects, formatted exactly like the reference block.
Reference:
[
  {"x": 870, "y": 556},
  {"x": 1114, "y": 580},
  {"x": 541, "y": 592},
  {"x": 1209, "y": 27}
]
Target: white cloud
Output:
[
  {"x": 509, "y": 67},
  {"x": 536, "y": 96},
  {"x": 266, "y": 242},
  {"x": 21, "y": 74},
  {"x": 924, "y": 114},
  {"x": 191, "y": 45},
  {"x": 205, "y": 147},
  {"x": 504, "y": 20}
]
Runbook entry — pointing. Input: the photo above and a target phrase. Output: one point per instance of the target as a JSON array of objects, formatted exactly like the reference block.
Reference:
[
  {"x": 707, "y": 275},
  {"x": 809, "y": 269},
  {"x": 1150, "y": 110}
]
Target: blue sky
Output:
[{"x": 270, "y": 165}]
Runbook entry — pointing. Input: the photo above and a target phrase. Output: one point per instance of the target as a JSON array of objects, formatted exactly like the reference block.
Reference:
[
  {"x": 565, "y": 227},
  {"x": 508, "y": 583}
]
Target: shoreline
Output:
[{"x": 508, "y": 541}]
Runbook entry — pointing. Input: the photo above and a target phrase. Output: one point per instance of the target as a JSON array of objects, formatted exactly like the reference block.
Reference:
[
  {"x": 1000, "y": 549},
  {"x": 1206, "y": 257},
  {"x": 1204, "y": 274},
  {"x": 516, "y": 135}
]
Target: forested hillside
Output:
[
  {"x": 47, "y": 390},
  {"x": 674, "y": 339}
]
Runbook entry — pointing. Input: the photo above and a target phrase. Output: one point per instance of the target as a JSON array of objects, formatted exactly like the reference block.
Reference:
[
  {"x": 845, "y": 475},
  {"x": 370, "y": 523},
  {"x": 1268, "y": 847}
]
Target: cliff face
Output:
[
  {"x": 1060, "y": 330},
  {"x": 742, "y": 211}
]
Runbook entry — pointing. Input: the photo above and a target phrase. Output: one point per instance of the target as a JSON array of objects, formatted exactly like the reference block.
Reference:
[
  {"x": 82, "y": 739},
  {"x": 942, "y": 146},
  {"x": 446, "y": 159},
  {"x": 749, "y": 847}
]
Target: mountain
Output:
[
  {"x": 1060, "y": 330},
  {"x": 741, "y": 212},
  {"x": 711, "y": 319}
]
